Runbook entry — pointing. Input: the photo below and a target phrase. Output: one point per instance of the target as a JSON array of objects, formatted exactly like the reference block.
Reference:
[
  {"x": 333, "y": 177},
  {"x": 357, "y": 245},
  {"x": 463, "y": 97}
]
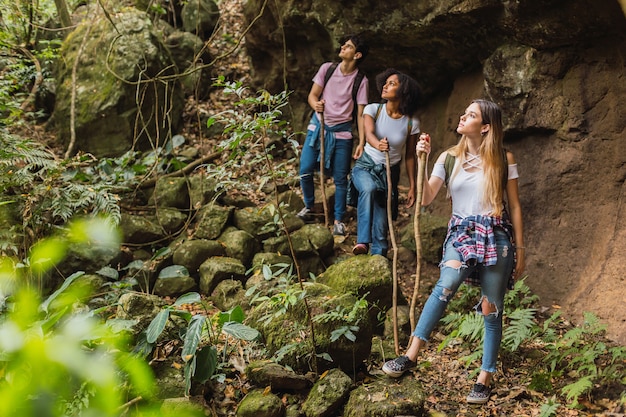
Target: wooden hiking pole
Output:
[
  {"x": 395, "y": 257},
  {"x": 421, "y": 175},
  {"x": 322, "y": 157}
]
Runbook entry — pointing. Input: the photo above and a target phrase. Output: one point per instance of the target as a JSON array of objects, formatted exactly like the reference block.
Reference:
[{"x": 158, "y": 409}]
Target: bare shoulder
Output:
[{"x": 510, "y": 158}]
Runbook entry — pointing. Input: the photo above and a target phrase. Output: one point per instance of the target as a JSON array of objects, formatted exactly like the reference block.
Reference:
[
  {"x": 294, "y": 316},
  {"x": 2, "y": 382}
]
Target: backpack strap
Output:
[
  {"x": 329, "y": 73},
  {"x": 505, "y": 174},
  {"x": 409, "y": 124},
  {"x": 448, "y": 165},
  {"x": 380, "y": 106},
  {"x": 355, "y": 90}
]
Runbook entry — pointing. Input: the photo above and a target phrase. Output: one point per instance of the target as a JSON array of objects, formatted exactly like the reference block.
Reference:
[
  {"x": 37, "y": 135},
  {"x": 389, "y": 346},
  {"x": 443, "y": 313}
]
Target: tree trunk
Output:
[{"x": 64, "y": 14}]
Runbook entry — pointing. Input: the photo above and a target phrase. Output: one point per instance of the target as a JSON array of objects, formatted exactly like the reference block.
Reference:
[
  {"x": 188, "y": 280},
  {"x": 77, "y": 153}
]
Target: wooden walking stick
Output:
[
  {"x": 322, "y": 157},
  {"x": 395, "y": 257},
  {"x": 421, "y": 175}
]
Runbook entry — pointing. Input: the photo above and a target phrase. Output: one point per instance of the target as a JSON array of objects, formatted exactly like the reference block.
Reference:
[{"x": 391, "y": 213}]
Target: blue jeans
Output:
[
  {"x": 372, "y": 225},
  {"x": 340, "y": 167},
  {"x": 493, "y": 283}
]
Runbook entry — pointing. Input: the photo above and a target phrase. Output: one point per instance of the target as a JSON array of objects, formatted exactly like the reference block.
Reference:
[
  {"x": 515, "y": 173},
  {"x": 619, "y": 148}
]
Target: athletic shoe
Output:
[
  {"x": 339, "y": 229},
  {"x": 360, "y": 249},
  {"x": 305, "y": 214},
  {"x": 479, "y": 394},
  {"x": 395, "y": 368}
]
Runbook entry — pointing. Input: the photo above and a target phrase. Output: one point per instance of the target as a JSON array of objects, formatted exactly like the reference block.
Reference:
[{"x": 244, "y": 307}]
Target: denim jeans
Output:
[
  {"x": 340, "y": 167},
  {"x": 372, "y": 225},
  {"x": 493, "y": 283}
]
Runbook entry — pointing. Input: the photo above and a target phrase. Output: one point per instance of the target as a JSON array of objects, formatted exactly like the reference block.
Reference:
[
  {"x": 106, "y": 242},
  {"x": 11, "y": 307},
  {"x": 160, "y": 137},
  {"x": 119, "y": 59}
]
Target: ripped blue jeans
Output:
[{"x": 493, "y": 283}]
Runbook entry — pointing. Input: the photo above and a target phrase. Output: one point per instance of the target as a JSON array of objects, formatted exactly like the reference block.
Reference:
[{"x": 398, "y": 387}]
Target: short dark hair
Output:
[
  {"x": 410, "y": 91},
  {"x": 360, "y": 44}
]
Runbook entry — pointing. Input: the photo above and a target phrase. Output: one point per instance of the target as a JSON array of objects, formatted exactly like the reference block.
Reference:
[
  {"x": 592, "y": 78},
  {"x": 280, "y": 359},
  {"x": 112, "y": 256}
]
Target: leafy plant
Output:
[
  {"x": 351, "y": 318},
  {"x": 521, "y": 326},
  {"x": 199, "y": 352},
  {"x": 550, "y": 408},
  {"x": 27, "y": 57},
  {"x": 581, "y": 353},
  {"x": 252, "y": 131},
  {"x": 38, "y": 195},
  {"x": 280, "y": 302},
  {"x": 55, "y": 357},
  {"x": 127, "y": 170}
]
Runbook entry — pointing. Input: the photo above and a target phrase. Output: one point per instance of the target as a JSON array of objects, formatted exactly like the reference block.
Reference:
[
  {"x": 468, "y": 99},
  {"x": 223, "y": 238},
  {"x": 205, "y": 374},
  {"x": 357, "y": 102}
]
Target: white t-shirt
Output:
[
  {"x": 393, "y": 129},
  {"x": 466, "y": 189}
]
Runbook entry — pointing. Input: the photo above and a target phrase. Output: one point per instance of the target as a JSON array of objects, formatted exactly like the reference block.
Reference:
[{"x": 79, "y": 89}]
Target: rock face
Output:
[
  {"x": 132, "y": 103},
  {"x": 555, "y": 67}
]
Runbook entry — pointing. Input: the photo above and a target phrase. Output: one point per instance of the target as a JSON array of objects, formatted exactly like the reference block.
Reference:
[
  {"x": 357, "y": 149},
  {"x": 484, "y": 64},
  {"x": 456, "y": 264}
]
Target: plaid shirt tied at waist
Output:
[{"x": 473, "y": 237}]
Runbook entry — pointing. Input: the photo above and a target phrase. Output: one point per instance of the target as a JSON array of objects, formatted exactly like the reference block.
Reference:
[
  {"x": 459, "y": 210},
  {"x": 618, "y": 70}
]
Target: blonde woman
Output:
[{"x": 484, "y": 244}]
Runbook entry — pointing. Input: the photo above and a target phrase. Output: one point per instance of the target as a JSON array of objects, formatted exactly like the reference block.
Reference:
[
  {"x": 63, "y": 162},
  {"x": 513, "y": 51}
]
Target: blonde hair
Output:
[{"x": 491, "y": 152}]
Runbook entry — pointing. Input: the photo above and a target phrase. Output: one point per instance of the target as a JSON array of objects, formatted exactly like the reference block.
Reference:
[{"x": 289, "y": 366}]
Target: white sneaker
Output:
[
  {"x": 339, "y": 229},
  {"x": 305, "y": 214}
]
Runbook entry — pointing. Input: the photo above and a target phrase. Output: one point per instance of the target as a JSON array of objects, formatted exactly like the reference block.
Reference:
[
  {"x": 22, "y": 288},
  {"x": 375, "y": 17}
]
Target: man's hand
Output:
[{"x": 319, "y": 106}]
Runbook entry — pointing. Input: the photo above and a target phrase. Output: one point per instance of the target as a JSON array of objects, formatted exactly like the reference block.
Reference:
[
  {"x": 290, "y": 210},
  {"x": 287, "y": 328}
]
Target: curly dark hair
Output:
[
  {"x": 409, "y": 90},
  {"x": 359, "y": 42}
]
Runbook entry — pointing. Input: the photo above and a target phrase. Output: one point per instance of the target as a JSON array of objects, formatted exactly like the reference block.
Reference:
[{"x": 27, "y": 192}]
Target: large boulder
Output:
[
  {"x": 192, "y": 253},
  {"x": 138, "y": 229},
  {"x": 213, "y": 219},
  {"x": 123, "y": 94},
  {"x": 217, "y": 269},
  {"x": 192, "y": 59},
  {"x": 328, "y": 394},
  {"x": 363, "y": 276},
  {"x": 384, "y": 398},
  {"x": 433, "y": 230},
  {"x": 170, "y": 192},
  {"x": 429, "y": 40},
  {"x": 282, "y": 322},
  {"x": 258, "y": 403}
]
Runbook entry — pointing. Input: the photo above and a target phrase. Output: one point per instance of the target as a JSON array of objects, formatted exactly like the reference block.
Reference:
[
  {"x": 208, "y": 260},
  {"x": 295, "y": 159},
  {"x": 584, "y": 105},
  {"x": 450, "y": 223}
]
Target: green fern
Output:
[
  {"x": 550, "y": 408},
  {"x": 581, "y": 353},
  {"x": 471, "y": 328},
  {"x": 519, "y": 296},
  {"x": 42, "y": 194},
  {"x": 521, "y": 326},
  {"x": 574, "y": 390}
]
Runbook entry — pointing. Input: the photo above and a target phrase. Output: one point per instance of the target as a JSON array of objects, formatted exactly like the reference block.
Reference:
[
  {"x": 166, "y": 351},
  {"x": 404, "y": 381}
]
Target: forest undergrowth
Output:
[{"x": 548, "y": 366}]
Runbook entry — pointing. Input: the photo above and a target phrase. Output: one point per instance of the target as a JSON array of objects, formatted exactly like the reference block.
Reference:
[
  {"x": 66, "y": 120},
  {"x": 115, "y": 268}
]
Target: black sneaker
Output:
[
  {"x": 479, "y": 394},
  {"x": 398, "y": 366}
]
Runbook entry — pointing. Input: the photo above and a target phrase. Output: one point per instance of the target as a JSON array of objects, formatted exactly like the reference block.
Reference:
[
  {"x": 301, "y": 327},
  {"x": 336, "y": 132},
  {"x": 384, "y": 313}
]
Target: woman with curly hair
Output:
[{"x": 390, "y": 127}]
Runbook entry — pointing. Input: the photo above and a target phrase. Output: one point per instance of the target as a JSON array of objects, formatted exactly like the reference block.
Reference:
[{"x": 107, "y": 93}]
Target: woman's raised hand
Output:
[{"x": 424, "y": 144}]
